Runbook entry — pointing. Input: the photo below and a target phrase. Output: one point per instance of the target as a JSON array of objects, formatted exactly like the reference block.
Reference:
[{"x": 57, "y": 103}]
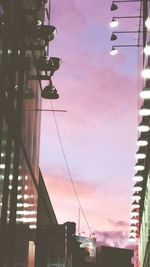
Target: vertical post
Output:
[
  {"x": 79, "y": 221},
  {"x": 66, "y": 245}
]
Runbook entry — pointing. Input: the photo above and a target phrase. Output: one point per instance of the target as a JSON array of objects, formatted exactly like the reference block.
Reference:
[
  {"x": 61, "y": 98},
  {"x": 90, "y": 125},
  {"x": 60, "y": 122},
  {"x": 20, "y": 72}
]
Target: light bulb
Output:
[
  {"x": 147, "y": 49},
  {"x": 142, "y": 142},
  {"x": 114, "y": 23},
  {"x": 145, "y": 93},
  {"x": 146, "y": 73},
  {"x": 147, "y": 23},
  {"x": 137, "y": 178},
  {"x": 144, "y": 111},
  {"x": 113, "y": 51},
  {"x": 143, "y": 128}
]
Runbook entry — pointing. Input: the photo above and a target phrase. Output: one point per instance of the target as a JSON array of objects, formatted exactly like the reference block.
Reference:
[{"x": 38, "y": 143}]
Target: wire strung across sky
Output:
[
  {"x": 68, "y": 169},
  {"x": 61, "y": 144}
]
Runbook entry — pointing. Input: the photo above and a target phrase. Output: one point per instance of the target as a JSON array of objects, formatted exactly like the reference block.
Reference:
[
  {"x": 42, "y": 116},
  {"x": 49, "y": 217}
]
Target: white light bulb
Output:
[
  {"x": 145, "y": 94},
  {"x": 137, "y": 198},
  {"x": 134, "y": 220},
  {"x": 135, "y": 205},
  {"x": 142, "y": 143},
  {"x": 137, "y": 188},
  {"x": 147, "y": 23},
  {"x": 139, "y": 167},
  {"x": 131, "y": 239},
  {"x": 144, "y": 111},
  {"x": 114, "y": 23},
  {"x": 143, "y": 128},
  {"x": 137, "y": 178},
  {"x": 146, "y": 73},
  {"x": 140, "y": 156},
  {"x": 147, "y": 49},
  {"x": 133, "y": 227},
  {"x": 114, "y": 51}
]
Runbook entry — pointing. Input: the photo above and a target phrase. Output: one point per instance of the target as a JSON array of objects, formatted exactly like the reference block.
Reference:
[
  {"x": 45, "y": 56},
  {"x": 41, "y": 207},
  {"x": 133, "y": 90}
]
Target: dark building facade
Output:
[
  {"x": 25, "y": 206},
  {"x": 56, "y": 245},
  {"x": 113, "y": 256}
]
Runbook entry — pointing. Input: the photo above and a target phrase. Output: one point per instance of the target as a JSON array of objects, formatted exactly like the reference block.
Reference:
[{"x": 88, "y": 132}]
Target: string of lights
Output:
[{"x": 139, "y": 222}]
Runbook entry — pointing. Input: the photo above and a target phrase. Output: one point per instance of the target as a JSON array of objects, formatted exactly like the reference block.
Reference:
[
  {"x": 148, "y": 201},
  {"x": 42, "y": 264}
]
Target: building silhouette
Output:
[
  {"x": 113, "y": 256},
  {"x": 25, "y": 206}
]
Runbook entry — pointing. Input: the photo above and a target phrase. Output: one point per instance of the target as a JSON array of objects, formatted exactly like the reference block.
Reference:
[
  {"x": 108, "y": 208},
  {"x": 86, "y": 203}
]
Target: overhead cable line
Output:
[
  {"x": 61, "y": 143},
  {"x": 68, "y": 169}
]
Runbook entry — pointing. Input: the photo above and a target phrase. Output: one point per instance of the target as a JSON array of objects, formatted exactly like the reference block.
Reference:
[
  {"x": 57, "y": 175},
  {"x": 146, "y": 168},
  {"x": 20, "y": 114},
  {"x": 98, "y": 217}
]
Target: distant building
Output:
[
  {"x": 114, "y": 257},
  {"x": 56, "y": 245},
  {"x": 88, "y": 248}
]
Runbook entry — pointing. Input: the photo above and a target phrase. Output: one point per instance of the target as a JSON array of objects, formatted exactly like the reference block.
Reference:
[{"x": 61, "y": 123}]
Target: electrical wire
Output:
[
  {"x": 61, "y": 144},
  {"x": 68, "y": 169}
]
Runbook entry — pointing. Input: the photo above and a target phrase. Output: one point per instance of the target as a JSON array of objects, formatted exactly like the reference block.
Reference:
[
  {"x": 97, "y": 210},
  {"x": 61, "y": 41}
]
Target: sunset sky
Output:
[{"x": 99, "y": 129}]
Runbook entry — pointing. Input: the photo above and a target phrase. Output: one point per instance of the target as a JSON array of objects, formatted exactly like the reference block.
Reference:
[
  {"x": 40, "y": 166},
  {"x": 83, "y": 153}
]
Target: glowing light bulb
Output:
[
  {"x": 114, "y": 23},
  {"x": 147, "y": 23}
]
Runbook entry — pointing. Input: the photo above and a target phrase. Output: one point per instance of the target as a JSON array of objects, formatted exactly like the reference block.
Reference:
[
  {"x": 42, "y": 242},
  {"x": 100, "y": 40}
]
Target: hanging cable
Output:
[
  {"x": 68, "y": 169},
  {"x": 61, "y": 144}
]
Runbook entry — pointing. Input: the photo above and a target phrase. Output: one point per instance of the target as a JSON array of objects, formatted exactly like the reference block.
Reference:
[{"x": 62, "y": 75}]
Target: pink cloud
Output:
[
  {"x": 97, "y": 203},
  {"x": 112, "y": 238},
  {"x": 98, "y": 130}
]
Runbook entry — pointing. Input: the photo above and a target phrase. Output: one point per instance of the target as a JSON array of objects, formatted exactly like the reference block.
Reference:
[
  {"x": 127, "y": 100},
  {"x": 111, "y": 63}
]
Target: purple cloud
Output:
[{"x": 111, "y": 238}]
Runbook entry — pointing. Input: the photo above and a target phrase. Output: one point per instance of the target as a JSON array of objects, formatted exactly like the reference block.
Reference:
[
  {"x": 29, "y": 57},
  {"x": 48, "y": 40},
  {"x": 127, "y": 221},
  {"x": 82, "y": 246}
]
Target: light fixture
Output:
[
  {"x": 142, "y": 141},
  {"x": 27, "y": 91},
  {"x": 145, "y": 108},
  {"x": 138, "y": 177},
  {"x": 46, "y": 32},
  {"x": 139, "y": 166},
  {"x": 48, "y": 64},
  {"x": 132, "y": 233},
  {"x": 132, "y": 239},
  {"x": 144, "y": 125},
  {"x": 147, "y": 23},
  {"x": 147, "y": 49},
  {"x": 146, "y": 72},
  {"x": 114, "y": 23},
  {"x": 113, "y": 51},
  {"x": 113, "y": 7},
  {"x": 49, "y": 92},
  {"x": 145, "y": 93},
  {"x": 135, "y": 205},
  {"x": 133, "y": 227},
  {"x": 137, "y": 187},
  {"x": 134, "y": 212},
  {"x": 136, "y": 196},
  {"x": 114, "y": 36},
  {"x": 141, "y": 153},
  {"x": 134, "y": 220}
]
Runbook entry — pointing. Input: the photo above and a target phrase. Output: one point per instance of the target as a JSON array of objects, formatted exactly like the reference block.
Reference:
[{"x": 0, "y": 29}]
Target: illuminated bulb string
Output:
[{"x": 68, "y": 169}]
